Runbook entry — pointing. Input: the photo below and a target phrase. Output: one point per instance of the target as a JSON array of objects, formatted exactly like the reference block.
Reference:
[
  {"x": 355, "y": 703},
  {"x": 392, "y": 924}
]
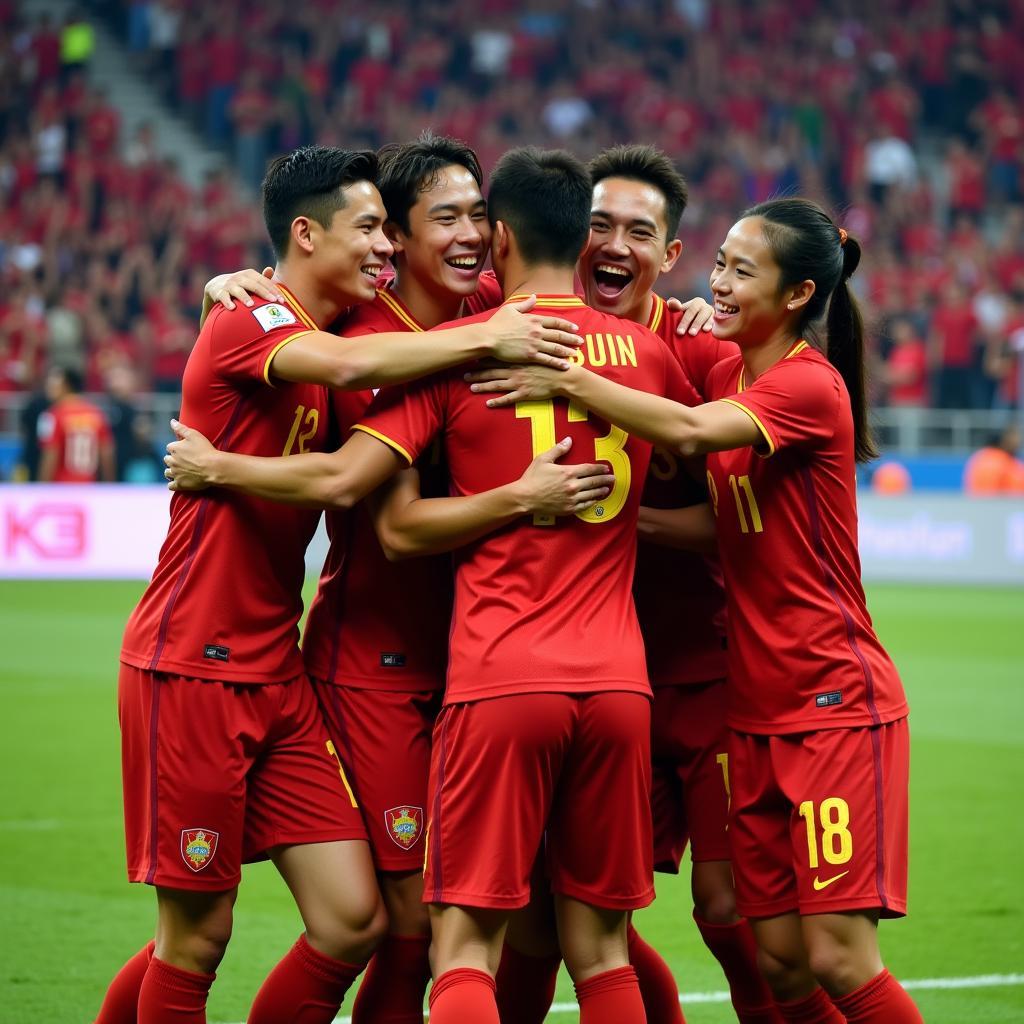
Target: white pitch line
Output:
[{"x": 919, "y": 984}]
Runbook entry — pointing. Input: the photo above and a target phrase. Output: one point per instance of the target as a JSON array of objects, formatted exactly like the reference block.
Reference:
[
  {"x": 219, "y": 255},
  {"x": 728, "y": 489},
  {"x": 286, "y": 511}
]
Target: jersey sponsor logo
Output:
[
  {"x": 828, "y": 700},
  {"x": 216, "y": 652},
  {"x": 405, "y": 824},
  {"x": 273, "y": 316},
  {"x": 392, "y": 659},
  {"x": 198, "y": 847},
  {"x": 819, "y": 885}
]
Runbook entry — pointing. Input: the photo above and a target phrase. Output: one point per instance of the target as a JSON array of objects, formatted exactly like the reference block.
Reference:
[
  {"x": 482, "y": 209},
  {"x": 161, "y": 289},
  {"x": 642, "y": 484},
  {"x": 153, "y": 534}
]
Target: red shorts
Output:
[
  {"x": 505, "y": 769},
  {"x": 818, "y": 822},
  {"x": 217, "y": 774},
  {"x": 383, "y": 738},
  {"x": 690, "y": 796}
]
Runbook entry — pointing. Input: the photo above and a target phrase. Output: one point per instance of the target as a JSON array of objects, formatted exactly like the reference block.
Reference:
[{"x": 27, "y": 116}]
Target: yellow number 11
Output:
[{"x": 610, "y": 449}]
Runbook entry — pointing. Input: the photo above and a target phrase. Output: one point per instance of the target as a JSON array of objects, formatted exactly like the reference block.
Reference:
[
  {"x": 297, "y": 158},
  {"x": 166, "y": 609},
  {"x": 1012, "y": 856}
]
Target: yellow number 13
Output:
[{"x": 610, "y": 449}]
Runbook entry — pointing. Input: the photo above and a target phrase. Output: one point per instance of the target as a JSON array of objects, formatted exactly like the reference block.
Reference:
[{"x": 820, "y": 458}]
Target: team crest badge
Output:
[
  {"x": 198, "y": 846},
  {"x": 405, "y": 823}
]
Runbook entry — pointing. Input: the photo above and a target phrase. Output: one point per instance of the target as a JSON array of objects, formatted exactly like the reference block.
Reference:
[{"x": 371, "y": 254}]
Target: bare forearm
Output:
[
  {"x": 652, "y": 417},
  {"x": 377, "y": 360},
  {"x": 426, "y": 526},
  {"x": 689, "y": 529}
]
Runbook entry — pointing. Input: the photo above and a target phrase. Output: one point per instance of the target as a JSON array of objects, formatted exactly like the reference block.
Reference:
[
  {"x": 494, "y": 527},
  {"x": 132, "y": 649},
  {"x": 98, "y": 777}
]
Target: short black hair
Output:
[
  {"x": 310, "y": 182},
  {"x": 544, "y": 196},
  {"x": 73, "y": 379},
  {"x": 651, "y": 166},
  {"x": 409, "y": 168}
]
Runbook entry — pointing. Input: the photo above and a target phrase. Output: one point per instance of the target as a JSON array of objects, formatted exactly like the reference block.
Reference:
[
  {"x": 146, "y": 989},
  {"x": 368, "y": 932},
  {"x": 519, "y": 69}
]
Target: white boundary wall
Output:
[{"x": 115, "y": 532}]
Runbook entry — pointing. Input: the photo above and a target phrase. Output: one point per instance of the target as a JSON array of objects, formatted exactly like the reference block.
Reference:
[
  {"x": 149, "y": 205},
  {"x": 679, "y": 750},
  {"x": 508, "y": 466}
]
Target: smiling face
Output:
[
  {"x": 750, "y": 307},
  {"x": 629, "y": 247},
  {"x": 352, "y": 251},
  {"x": 448, "y": 237}
]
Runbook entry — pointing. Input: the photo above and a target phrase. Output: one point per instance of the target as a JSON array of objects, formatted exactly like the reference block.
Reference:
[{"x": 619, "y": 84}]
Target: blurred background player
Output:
[
  {"x": 819, "y": 747},
  {"x": 76, "y": 445}
]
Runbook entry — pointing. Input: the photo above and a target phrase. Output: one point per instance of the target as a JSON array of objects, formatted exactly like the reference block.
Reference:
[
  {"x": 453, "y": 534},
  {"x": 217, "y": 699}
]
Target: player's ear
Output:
[
  {"x": 394, "y": 235},
  {"x": 500, "y": 239},
  {"x": 675, "y": 247},
  {"x": 799, "y": 294},
  {"x": 302, "y": 234}
]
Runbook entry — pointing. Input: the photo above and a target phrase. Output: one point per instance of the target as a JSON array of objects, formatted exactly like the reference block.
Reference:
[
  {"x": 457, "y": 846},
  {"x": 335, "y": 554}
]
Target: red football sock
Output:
[
  {"x": 734, "y": 947},
  {"x": 306, "y": 987},
  {"x": 463, "y": 996},
  {"x": 121, "y": 1003},
  {"x": 883, "y": 1000},
  {"x": 172, "y": 995},
  {"x": 611, "y": 998},
  {"x": 526, "y": 986},
  {"x": 395, "y": 983},
  {"x": 816, "y": 1008},
  {"x": 657, "y": 985}
]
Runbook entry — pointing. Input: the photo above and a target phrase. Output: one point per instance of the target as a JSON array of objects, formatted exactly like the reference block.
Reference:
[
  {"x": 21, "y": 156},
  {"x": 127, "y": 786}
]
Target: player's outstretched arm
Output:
[
  {"x": 689, "y": 529},
  {"x": 313, "y": 480},
  {"x": 408, "y": 524},
  {"x": 682, "y": 429},
  {"x": 376, "y": 360}
]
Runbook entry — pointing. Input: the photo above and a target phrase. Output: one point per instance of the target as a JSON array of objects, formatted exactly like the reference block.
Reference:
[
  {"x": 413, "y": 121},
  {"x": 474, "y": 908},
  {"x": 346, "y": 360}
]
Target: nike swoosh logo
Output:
[{"x": 818, "y": 886}]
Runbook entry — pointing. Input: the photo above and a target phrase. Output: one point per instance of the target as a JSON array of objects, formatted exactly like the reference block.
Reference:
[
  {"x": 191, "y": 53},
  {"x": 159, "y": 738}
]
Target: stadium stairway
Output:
[{"x": 134, "y": 96}]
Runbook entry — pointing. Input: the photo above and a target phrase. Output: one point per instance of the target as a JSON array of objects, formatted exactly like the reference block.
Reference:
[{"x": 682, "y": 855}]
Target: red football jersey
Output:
[
  {"x": 488, "y": 294},
  {"x": 225, "y": 599},
  {"x": 802, "y": 651},
  {"x": 679, "y": 597},
  {"x": 541, "y": 606},
  {"x": 75, "y": 430},
  {"x": 376, "y": 624}
]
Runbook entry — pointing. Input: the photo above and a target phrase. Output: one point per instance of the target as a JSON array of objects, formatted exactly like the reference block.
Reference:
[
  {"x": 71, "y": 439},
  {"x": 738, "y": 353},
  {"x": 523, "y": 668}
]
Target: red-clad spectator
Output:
[
  {"x": 1005, "y": 357},
  {"x": 966, "y": 180},
  {"x": 895, "y": 106},
  {"x": 250, "y": 113},
  {"x": 101, "y": 123},
  {"x": 953, "y": 337},
  {"x": 906, "y": 368},
  {"x": 45, "y": 50}
]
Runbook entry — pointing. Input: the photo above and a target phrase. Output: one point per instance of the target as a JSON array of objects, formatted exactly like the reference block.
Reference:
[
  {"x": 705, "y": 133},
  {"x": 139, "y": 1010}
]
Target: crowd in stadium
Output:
[{"x": 904, "y": 116}]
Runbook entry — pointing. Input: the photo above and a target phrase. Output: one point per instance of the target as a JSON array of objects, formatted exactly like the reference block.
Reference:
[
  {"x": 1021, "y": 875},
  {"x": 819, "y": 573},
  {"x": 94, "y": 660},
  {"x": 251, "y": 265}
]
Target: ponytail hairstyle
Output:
[{"x": 808, "y": 246}]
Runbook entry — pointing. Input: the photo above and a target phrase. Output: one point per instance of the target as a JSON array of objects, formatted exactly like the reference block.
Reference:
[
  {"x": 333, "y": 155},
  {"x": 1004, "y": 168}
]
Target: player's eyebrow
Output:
[
  {"x": 368, "y": 218},
  {"x": 454, "y": 207},
  {"x": 739, "y": 259},
  {"x": 642, "y": 222}
]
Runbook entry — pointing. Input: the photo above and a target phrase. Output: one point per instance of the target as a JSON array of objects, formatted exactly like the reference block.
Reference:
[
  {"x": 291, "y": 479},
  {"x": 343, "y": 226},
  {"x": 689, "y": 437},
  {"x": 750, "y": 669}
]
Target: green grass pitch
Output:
[{"x": 69, "y": 918}]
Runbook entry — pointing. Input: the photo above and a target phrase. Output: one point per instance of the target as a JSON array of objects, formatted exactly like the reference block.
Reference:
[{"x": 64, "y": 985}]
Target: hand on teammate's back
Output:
[
  {"x": 553, "y": 489},
  {"x": 515, "y": 337},
  {"x": 227, "y": 289},
  {"x": 187, "y": 460},
  {"x": 523, "y": 384}
]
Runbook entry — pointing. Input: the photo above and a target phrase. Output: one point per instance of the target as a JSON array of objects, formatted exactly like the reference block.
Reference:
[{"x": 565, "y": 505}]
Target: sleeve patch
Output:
[{"x": 274, "y": 316}]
